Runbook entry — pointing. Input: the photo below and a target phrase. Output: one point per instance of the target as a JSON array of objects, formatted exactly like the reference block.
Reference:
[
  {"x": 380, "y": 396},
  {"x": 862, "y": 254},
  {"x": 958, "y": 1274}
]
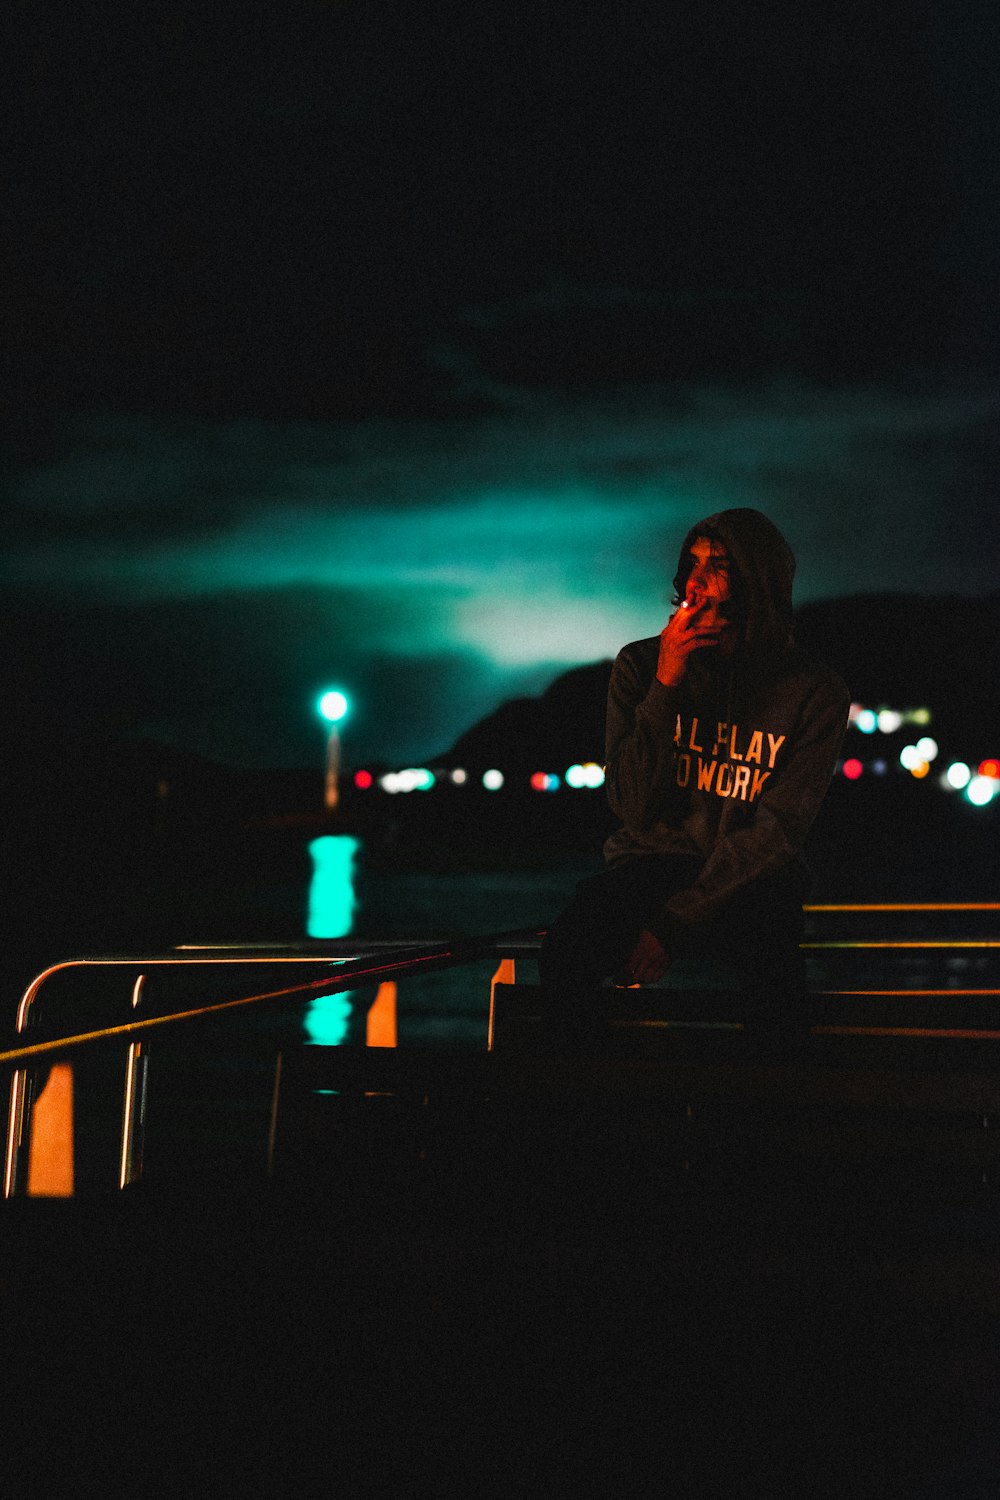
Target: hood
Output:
[{"x": 766, "y": 566}]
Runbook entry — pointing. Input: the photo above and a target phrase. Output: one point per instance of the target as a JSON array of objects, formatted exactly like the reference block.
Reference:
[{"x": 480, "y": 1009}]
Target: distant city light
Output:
[
  {"x": 887, "y": 720},
  {"x": 545, "y": 781},
  {"x": 589, "y": 774},
  {"x": 917, "y": 759},
  {"x": 981, "y": 790},
  {"x": 912, "y": 760},
  {"x": 333, "y": 706},
  {"x": 412, "y": 779}
]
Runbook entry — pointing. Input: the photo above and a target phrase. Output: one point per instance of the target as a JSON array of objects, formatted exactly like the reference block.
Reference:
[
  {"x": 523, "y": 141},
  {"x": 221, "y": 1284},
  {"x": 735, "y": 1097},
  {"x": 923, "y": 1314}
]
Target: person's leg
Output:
[
  {"x": 761, "y": 933},
  {"x": 595, "y": 935}
]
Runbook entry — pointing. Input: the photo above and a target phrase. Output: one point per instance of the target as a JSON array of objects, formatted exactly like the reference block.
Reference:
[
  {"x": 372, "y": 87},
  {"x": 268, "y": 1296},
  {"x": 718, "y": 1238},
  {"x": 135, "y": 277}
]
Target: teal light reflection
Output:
[
  {"x": 331, "y": 892},
  {"x": 326, "y": 1020},
  {"x": 330, "y": 915}
]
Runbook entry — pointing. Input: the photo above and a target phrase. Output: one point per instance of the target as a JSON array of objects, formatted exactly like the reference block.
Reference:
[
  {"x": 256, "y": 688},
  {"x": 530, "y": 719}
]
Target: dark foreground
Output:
[{"x": 787, "y": 1284}]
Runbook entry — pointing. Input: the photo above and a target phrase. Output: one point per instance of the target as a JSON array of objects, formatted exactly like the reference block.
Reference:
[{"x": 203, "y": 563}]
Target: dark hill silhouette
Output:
[
  {"x": 898, "y": 650},
  {"x": 548, "y": 733},
  {"x": 906, "y": 650}
]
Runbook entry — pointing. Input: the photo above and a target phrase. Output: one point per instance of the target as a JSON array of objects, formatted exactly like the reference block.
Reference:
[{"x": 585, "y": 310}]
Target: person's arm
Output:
[
  {"x": 640, "y": 753},
  {"x": 783, "y": 815}
]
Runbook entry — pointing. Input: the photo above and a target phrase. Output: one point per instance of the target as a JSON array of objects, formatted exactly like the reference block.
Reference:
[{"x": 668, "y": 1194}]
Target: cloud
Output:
[
  {"x": 163, "y": 509},
  {"x": 246, "y": 562}
]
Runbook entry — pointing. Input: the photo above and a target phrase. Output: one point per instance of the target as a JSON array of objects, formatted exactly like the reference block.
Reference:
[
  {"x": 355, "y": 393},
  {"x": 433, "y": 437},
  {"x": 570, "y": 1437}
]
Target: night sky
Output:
[{"x": 395, "y": 347}]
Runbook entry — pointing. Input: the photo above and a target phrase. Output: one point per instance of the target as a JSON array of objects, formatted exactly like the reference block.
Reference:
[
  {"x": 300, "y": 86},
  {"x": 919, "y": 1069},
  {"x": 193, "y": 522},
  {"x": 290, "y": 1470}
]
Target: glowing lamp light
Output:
[
  {"x": 363, "y": 780},
  {"x": 576, "y": 777},
  {"x": 889, "y": 720},
  {"x": 990, "y": 768},
  {"x": 459, "y": 777},
  {"x": 853, "y": 768},
  {"x": 920, "y": 716},
  {"x": 879, "y": 767},
  {"x": 908, "y": 757},
  {"x": 333, "y": 706},
  {"x": 927, "y": 748},
  {"x": 492, "y": 780},
  {"x": 867, "y": 721},
  {"x": 981, "y": 790},
  {"x": 919, "y": 769},
  {"x": 958, "y": 775}
]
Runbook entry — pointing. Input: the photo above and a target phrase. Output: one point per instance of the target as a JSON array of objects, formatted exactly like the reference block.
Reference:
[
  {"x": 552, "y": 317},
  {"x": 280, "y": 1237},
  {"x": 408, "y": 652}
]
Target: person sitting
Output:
[{"x": 722, "y": 737}]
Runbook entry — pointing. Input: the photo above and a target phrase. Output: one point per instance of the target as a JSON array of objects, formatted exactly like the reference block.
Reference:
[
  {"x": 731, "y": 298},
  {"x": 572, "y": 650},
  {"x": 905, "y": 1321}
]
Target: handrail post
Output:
[
  {"x": 133, "y": 1115},
  {"x": 380, "y": 1023},
  {"x": 505, "y": 974},
  {"x": 40, "y": 1134},
  {"x": 18, "y": 1126},
  {"x": 41, "y": 1127}
]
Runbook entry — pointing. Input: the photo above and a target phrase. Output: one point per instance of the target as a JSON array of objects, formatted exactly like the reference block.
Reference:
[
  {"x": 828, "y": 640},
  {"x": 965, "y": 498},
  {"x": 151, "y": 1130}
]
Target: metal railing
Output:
[
  {"x": 980, "y": 952},
  {"x": 40, "y": 1131},
  {"x": 39, "y": 1144}
]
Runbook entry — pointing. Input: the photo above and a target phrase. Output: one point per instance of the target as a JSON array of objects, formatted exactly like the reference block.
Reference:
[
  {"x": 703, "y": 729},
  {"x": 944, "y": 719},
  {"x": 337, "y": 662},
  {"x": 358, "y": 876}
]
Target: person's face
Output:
[
  {"x": 708, "y": 583},
  {"x": 709, "y": 588}
]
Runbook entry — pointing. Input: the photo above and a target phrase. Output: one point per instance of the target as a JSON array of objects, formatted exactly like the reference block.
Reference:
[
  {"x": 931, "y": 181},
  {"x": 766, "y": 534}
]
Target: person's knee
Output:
[{"x": 552, "y": 956}]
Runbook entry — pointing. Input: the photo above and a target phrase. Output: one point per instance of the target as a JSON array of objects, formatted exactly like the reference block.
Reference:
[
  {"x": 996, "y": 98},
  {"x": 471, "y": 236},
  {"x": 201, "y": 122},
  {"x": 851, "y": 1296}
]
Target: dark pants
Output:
[{"x": 758, "y": 933}]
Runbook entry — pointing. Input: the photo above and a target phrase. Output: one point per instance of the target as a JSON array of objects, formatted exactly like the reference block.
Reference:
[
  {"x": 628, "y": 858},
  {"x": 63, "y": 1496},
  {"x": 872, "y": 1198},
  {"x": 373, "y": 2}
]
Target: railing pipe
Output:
[{"x": 393, "y": 964}]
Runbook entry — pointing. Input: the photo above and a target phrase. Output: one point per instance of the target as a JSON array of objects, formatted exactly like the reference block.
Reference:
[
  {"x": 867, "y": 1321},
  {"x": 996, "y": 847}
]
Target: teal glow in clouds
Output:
[{"x": 227, "y": 573}]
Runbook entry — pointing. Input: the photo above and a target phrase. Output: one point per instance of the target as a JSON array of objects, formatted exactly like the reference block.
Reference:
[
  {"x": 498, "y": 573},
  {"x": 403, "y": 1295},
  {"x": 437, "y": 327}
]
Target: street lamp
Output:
[{"x": 333, "y": 706}]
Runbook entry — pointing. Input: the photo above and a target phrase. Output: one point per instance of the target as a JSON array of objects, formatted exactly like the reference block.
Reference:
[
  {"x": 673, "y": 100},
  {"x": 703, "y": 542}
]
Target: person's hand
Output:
[
  {"x": 690, "y": 628},
  {"x": 649, "y": 960}
]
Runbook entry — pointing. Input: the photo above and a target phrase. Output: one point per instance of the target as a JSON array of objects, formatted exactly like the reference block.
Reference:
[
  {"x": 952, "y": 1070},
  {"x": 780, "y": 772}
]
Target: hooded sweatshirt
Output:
[{"x": 732, "y": 765}]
